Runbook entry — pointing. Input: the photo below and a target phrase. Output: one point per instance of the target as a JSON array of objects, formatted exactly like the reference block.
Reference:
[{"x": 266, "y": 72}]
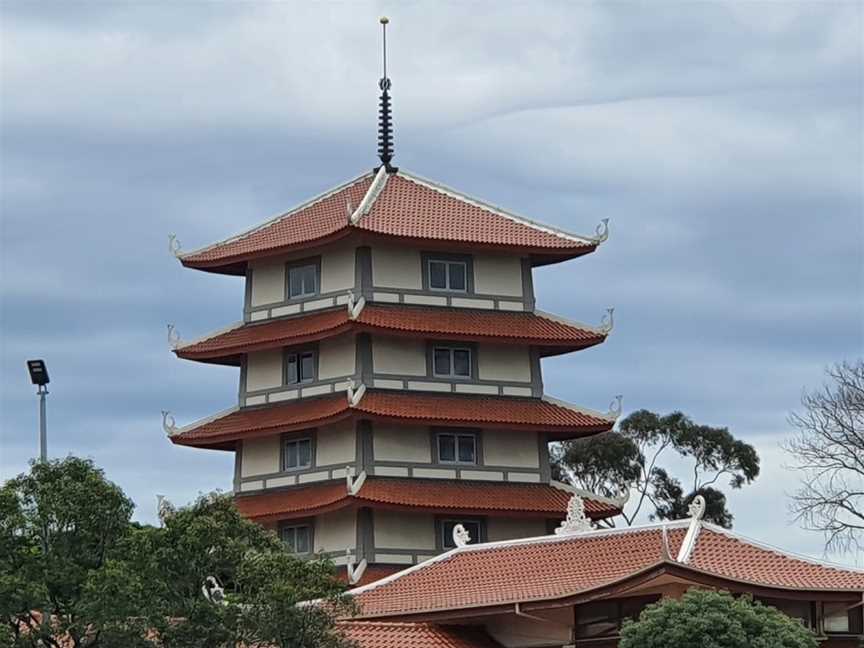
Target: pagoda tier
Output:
[
  {"x": 550, "y": 335},
  {"x": 556, "y": 419},
  {"x": 393, "y": 208},
  {"x": 465, "y": 498}
]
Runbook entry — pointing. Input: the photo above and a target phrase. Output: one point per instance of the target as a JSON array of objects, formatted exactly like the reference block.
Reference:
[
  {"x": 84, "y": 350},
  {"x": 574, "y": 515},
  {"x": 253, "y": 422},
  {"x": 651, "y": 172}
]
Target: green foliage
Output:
[
  {"x": 68, "y": 550},
  {"x": 714, "y": 620},
  {"x": 630, "y": 459}
]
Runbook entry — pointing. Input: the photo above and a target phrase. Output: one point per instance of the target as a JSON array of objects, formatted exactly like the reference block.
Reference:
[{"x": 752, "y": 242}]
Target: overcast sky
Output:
[{"x": 723, "y": 140}]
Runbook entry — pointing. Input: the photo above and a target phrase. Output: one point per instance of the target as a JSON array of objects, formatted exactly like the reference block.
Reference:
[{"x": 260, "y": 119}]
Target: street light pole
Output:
[
  {"x": 39, "y": 377},
  {"x": 43, "y": 424}
]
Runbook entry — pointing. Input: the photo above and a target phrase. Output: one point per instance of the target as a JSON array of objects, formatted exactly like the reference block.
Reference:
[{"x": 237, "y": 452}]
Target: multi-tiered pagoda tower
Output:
[{"x": 390, "y": 371}]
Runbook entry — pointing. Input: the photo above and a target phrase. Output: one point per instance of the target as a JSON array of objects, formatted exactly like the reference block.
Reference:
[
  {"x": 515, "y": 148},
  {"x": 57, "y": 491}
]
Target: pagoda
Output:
[{"x": 390, "y": 388}]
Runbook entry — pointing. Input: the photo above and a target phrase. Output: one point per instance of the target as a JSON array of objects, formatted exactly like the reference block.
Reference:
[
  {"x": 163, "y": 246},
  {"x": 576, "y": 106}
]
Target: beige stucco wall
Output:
[
  {"x": 336, "y": 357},
  {"x": 498, "y": 275},
  {"x": 264, "y": 369},
  {"x": 398, "y": 530},
  {"x": 337, "y": 270},
  {"x": 396, "y": 268},
  {"x": 398, "y": 356},
  {"x": 268, "y": 283},
  {"x": 395, "y": 443},
  {"x": 260, "y": 456},
  {"x": 498, "y": 362},
  {"x": 510, "y": 528},
  {"x": 512, "y": 449},
  {"x": 336, "y": 444},
  {"x": 335, "y": 531}
]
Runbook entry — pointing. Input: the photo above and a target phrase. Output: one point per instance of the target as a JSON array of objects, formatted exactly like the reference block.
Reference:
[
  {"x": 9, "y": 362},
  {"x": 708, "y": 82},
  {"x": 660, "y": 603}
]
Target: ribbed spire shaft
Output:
[{"x": 385, "y": 119}]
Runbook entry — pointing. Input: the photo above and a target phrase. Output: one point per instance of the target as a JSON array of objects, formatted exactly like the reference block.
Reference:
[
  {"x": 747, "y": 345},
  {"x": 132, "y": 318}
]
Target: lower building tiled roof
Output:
[
  {"x": 539, "y": 572},
  {"x": 549, "y": 334},
  {"x": 467, "y": 497},
  {"x": 543, "y": 415},
  {"x": 367, "y": 634}
]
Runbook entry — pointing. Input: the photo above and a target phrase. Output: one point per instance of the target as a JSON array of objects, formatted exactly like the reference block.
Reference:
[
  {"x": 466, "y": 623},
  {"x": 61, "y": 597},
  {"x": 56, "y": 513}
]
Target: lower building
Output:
[{"x": 576, "y": 587}]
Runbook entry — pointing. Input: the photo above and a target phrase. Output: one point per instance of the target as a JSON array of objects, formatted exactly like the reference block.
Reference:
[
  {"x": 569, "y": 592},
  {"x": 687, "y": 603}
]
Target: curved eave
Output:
[
  {"x": 228, "y": 348},
  {"x": 408, "y": 408},
  {"x": 236, "y": 264},
  {"x": 404, "y": 494}
]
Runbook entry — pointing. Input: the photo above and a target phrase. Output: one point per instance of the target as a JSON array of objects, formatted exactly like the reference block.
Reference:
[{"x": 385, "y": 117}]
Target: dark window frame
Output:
[
  {"x": 437, "y": 432},
  {"x": 441, "y": 521},
  {"x": 474, "y": 361},
  {"x": 299, "y": 351},
  {"x": 619, "y": 618},
  {"x": 307, "y": 523},
  {"x": 447, "y": 257},
  {"x": 294, "y": 437},
  {"x": 315, "y": 262}
]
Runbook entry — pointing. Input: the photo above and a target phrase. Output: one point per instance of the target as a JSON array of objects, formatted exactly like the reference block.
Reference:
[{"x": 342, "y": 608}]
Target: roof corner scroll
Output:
[
  {"x": 169, "y": 425},
  {"x": 607, "y": 322},
  {"x": 697, "y": 512},
  {"x": 615, "y": 407},
  {"x": 174, "y": 245},
  {"x": 601, "y": 232},
  {"x": 173, "y": 337},
  {"x": 576, "y": 521}
]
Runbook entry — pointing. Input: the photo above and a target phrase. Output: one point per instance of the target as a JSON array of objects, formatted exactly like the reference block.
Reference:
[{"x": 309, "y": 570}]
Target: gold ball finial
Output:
[{"x": 384, "y": 20}]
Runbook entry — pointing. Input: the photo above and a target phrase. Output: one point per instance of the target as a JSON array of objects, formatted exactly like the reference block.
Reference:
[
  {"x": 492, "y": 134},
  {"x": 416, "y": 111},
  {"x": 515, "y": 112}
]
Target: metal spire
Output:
[{"x": 385, "y": 125}]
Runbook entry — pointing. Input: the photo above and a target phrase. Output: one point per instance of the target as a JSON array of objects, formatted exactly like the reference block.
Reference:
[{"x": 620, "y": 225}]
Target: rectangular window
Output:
[
  {"x": 298, "y": 538},
  {"x": 299, "y": 367},
  {"x": 473, "y": 527},
  {"x": 457, "y": 448},
  {"x": 297, "y": 454},
  {"x": 603, "y": 619},
  {"x": 448, "y": 275},
  {"x": 451, "y": 362},
  {"x": 842, "y": 618},
  {"x": 302, "y": 280}
]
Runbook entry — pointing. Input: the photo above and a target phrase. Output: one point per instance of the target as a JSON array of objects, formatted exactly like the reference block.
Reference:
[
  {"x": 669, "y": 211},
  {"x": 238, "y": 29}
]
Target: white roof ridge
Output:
[
  {"x": 375, "y": 188},
  {"x": 205, "y": 420},
  {"x": 208, "y": 336},
  {"x": 275, "y": 219},
  {"x": 777, "y": 550},
  {"x": 569, "y": 322},
  {"x": 550, "y": 539},
  {"x": 581, "y": 410},
  {"x": 494, "y": 209},
  {"x": 585, "y": 494}
]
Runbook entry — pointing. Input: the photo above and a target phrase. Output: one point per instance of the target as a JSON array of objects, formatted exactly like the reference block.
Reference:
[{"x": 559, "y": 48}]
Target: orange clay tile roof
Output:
[
  {"x": 558, "y": 420},
  {"x": 454, "y": 324},
  {"x": 555, "y": 568},
  {"x": 368, "y": 634},
  {"x": 723, "y": 553},
  {"x": 462, "y": 497},
  {"x": 407, "y": 207}
]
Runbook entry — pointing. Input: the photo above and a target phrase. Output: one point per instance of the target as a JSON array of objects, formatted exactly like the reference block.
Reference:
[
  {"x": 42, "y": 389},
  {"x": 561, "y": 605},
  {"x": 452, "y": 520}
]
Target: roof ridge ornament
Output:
[
  {"x": 607, "y": 322},
  {"x": 461, "y": 537},
  {"x": 601, "y": 232},
  {"x": 385, "y": 125},
  {"x": 576, "y": 521},
  {"x": 355, "y": 394},
  {"x": 352, "y": 485},
  {"x": 354, "y": 573},
  {"x": 697, "y": 512}
]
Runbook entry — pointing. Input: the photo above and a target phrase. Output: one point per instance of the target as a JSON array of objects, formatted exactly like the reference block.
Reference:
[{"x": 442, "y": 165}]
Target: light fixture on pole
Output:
[{"x": 39, "y": 377}]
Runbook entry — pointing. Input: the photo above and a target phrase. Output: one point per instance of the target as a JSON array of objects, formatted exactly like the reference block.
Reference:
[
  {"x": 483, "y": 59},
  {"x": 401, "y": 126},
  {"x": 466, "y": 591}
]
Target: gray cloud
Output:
[{"x": 722, "y": 139}]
